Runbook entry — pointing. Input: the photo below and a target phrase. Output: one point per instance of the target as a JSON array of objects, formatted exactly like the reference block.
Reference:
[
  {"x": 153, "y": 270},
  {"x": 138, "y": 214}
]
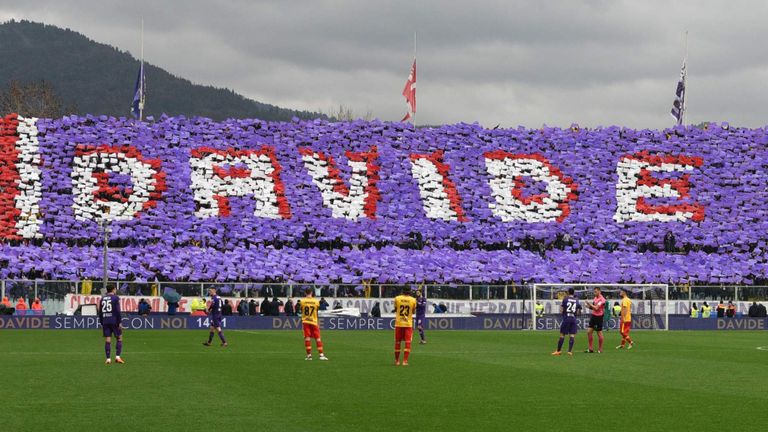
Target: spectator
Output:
[
  {"x": 288, "y": 309},
  {"x": 253, "y": 307},
  {"x": 265, "y": 307},
  {"x": 753, "y": 310},
  {"x": 443, "y": 308},
  {"x": 144, "y": 307},
  {"x": 242, "y": 307},
  {"x": 694, "y": 311},
  {"x": 761, "y": 313},
  {"x": 706, "y": 310},
  {"x": 436, "y": 308},
  {"x": 37, "y": 307},
  {"x": 173, "y": 307},
  {"x": 226, "y": 310},
  {"x": 730, "y": 311},
  {"x": 266, "y": 291},
  {"x": 337, "y": 305},
  {"x": 669, "y": 242},
  {"x": 376, "y": 310},
  {"x": 323, "y": 304},
  {"x": 6, "y": 302},
  {"x": 720, "y": 309},
  {"x": 298, "y": 307},
  {"x": 275, "y": 306}
]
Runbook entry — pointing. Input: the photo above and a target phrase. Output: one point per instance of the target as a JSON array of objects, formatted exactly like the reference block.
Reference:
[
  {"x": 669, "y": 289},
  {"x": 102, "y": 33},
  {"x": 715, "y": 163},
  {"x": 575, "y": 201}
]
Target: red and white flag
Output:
[{"x": 410, "y": 92}]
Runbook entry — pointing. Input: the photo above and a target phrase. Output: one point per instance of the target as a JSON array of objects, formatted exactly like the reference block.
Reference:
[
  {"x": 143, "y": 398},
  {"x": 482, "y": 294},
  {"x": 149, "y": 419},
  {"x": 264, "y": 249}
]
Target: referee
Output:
[{"x": 597, "y": 306}]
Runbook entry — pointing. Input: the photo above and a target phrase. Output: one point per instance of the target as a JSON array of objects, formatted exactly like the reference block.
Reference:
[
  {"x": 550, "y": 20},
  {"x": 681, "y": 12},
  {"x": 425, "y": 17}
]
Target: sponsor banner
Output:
[
  {"x": 131, "y": 303},
  {"x": 483, "y": 322},
  {"x": 738, "y": 323},
  {"x": 676, "y": 307}
]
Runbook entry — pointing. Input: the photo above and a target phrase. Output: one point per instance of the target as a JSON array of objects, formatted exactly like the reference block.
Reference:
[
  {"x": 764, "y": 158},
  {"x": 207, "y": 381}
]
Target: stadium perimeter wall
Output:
[{"x": 483, "y": 322}]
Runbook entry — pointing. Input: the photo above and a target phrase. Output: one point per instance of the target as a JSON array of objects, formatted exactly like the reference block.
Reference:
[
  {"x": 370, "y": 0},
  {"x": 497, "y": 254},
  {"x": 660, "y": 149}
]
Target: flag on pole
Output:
[
  {"x": 410, "y": 92},
  {"x": 139, "y": 93},
  {"x": 678, "y": 106}
]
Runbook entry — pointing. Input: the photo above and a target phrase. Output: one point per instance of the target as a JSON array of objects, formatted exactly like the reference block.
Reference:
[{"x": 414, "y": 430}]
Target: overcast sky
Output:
[{"x": 509, "y": 62}]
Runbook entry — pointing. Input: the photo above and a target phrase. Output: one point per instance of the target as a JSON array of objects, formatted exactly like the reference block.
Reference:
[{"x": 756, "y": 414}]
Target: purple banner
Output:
[
  {"x": 482, "y": 322},
  {"x": 193, "y": 199}
]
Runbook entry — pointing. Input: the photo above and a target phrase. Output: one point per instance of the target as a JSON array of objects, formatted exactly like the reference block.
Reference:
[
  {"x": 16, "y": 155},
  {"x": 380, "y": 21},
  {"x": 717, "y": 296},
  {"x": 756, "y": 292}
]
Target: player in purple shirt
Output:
[
  {"x": 569, "y": 309},
  {"x": 421, "y": 314},
  {"x": 214, "y": 317},
  {"x": 109, "y": 316}
]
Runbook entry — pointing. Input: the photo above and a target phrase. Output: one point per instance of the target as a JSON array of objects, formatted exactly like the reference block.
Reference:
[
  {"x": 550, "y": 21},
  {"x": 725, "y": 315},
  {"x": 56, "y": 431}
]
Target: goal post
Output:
[{"x": 650, "y": 303}]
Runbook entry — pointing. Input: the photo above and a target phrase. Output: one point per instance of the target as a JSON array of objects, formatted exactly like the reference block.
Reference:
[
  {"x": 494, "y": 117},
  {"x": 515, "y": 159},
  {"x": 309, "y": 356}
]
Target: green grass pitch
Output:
[{"x": 460, "y": 381}]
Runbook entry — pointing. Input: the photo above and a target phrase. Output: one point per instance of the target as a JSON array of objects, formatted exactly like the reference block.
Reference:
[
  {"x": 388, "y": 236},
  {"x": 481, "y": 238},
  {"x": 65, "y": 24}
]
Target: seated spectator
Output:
[
  {"x": 21, "y": 305},
  {"x": 694, "y": 311},
  {"x": 753, "y": 309},
  {"x": 6, "y": 302},
  {"x": 376, "y": 310},
  {"x": 706, "y": 310},
  {"x": 288, "y": 309},
  {"x": 275, "y": 306},
  {"x": 323, "y": 304},
  {"x": 226, "y": 310},
  {"x": 144, "y": 307},
  {"x": 37, "y": 306},
  {"x": 720, "y": 309},
  {"x": 436, "y": 308},
  {"x": 730, "y": 311},
  {"x": 253, "y": 307},
  {"x": 443, "y": 308}
]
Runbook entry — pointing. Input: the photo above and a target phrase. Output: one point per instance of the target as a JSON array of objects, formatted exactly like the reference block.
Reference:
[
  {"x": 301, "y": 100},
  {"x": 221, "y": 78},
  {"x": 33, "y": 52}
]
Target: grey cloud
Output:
[{"x": 509, "y": 62}]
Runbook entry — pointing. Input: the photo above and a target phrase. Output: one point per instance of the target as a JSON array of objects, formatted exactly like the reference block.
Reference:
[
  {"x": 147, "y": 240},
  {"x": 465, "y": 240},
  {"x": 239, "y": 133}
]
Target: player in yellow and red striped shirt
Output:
[
  {"x": 309, "y": 307},
  {"x": 405, "y": 307},
  {"x": 625, "y": 321}
]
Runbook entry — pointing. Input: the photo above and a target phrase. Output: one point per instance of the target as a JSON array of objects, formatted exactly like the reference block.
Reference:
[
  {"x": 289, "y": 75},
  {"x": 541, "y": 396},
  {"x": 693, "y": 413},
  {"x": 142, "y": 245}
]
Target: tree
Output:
[
  {"x": 34, "y": 99},
  {"x": 345, "y": 113}
]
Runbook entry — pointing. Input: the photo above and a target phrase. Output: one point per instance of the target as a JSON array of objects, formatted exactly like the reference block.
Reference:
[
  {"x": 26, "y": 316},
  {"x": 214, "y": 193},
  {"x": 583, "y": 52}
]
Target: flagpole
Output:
[
  {"x": 414, "y": 62},
  {"x": 685, "y": 79},
  {"x": 142, "y": 84}
]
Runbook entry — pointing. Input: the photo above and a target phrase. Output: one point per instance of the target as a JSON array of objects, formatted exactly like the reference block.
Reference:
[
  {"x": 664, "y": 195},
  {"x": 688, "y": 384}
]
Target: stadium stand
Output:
[{"x": 313, "y": 201}]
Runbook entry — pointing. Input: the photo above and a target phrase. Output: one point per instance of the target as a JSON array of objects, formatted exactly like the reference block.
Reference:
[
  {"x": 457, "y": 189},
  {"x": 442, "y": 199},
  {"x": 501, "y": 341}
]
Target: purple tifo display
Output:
[{"x": 198, "y": 200}]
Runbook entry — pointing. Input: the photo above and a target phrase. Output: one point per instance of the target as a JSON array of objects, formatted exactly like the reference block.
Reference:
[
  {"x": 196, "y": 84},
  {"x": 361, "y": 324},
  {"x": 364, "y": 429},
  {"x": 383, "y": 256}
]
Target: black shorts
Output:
[{"x": 596, "y": 323}]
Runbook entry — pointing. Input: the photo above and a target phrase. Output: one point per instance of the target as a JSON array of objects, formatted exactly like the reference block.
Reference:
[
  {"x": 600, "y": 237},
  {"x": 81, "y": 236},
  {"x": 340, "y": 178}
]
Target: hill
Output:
[{"x": 99, "y": 79}]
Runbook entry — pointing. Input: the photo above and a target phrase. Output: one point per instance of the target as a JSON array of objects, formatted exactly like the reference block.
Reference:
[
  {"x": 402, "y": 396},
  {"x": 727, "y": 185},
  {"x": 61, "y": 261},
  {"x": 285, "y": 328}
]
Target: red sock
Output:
[
  {"x": 407, "y": 351},
  {"x": 629, "y": 339},
  {"x": 397, "y": 351},
  {"x": 600, "y": 341},
  {"x": 308, "y": 346},
  {"x": 319, "y": 346},
  {"x": 590, "y": 338}
]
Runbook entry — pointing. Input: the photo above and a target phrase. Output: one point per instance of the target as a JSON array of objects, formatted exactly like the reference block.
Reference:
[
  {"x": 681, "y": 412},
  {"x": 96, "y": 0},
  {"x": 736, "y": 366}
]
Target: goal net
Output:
[{"x": 650, "y": 304}]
